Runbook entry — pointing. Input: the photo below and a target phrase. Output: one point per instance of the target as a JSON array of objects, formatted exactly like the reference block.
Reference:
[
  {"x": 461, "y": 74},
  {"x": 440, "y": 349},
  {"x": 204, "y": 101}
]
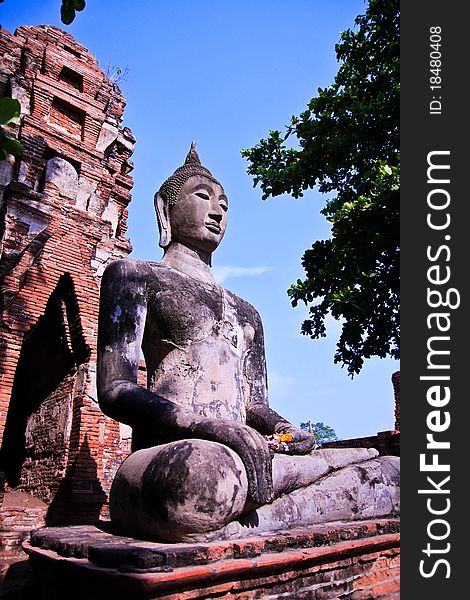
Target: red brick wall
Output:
[
  {"x": 63, "y": 218},
  {"x": 45, "y": 443},
  {"x": 357, "y": 561},
  {"x": 387, "y": 443}
]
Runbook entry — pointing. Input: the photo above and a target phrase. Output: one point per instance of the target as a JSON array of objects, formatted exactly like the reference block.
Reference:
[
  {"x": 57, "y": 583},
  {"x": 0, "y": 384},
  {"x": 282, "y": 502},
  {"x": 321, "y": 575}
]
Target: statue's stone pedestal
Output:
[{"x": 354, "y": 560}]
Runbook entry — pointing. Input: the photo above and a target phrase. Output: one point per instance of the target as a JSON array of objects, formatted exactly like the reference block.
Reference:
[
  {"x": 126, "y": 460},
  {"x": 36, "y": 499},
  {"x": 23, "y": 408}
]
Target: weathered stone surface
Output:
[
  {"x": 63, "y": 175},
  {"x": 150, "y": 491},
  {"x": 204, "y": 351},
  {"x": 20, "y": 91},
  {"x": 79, "y": 539},
  {"x": 336, "y": 560},
  {"x": 291, "y": 473},
  {"x": 85, "y": 189},
  {"x": 56, "y": 443},
  {"x": 6, "y": 170},
  {"x": 369, "y": 489},
  {"x": 107, "y": 555},
  {"x": 159, "y": 492},
  {"x": 108, "y": 135}
]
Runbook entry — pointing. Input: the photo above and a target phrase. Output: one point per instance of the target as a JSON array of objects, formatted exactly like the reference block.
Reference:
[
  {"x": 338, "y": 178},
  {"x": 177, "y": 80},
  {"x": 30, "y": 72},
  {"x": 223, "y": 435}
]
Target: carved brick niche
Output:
[{"x": 62, "y": 219}]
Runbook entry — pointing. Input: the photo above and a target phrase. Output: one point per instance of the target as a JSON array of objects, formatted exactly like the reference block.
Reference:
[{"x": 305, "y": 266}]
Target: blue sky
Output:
[{"x": 224, "y": 74}]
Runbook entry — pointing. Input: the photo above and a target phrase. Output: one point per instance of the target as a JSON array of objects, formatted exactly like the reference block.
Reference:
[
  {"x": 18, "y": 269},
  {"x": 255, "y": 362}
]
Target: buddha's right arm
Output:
[
  {"x": 123, "y": 314},
  {"x": 122, "y": 318}
]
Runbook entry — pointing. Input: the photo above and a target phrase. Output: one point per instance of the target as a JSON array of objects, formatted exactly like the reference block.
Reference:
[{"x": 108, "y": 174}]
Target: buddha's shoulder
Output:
[
  {"x": 137, "y": 270},
  {"x": 244, "y": 308},
  {"x": 156, "y": 277},
  {"x": 127, "y": 267}
]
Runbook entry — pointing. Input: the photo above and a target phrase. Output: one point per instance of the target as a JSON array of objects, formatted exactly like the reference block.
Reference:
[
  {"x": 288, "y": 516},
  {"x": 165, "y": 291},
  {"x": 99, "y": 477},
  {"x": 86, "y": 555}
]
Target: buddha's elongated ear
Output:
[{"x": 163, "y": 220}]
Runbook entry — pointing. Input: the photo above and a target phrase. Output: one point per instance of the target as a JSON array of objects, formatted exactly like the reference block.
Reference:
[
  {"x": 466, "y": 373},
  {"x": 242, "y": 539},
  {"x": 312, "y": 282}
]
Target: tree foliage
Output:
[
  {"x": 349, "y": 144},
  {"x": 9, "y": 110},
  {"x": 68, "y": 9},
  {"x": 323, "y": 433}
]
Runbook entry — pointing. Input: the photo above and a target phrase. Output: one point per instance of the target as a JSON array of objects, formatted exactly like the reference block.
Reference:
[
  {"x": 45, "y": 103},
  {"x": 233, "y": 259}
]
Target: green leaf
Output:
[
  {"x": 10, "y": 109},
  {"x": 67, "y": 12},
  {"x": 9, "y": 144},
  {"x": 386, "y": 170},
  {"x": 79, "y": 5}
]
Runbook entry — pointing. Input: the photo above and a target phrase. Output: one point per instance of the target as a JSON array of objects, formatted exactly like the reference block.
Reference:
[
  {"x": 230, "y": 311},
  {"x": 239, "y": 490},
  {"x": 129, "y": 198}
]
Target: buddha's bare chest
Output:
[
  {"x": 195, "y": 344},
  {"x": 183, "y": 312}
]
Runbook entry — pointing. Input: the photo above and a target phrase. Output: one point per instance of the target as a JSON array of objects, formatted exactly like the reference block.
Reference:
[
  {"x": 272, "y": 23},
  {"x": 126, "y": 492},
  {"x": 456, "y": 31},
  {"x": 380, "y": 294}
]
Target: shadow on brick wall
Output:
[
  {"x": 80, "y": 496},
  {"x": 50, "y": 352}
]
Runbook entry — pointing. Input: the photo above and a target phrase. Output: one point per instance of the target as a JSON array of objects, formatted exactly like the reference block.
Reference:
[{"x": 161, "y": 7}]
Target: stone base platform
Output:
[{"x": 355, "y": 560}]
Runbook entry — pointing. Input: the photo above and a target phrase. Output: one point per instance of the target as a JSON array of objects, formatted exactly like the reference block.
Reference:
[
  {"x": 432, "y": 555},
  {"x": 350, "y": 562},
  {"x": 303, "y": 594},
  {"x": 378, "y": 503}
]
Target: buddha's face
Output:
[{"x": 199, "y": 217}]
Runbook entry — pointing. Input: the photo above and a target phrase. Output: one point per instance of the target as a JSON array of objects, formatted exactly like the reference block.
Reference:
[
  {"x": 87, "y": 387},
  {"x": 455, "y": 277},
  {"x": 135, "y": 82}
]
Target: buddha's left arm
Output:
[{"x": 259, "y": 415}]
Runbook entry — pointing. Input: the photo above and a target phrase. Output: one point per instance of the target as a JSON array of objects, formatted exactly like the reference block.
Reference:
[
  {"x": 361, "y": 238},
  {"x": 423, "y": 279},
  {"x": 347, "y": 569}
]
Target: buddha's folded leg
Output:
[
  {"x": 195, "y": 490},
  {"x": 171, "y": 491},
  {"x": 365, "y": 490},
  {"x": 291, "y": 472}
]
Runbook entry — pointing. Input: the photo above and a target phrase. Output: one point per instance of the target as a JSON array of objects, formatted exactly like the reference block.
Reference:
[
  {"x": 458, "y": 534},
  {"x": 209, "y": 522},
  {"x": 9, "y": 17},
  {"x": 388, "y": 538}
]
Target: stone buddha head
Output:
[{"x": 191, "y": 207}]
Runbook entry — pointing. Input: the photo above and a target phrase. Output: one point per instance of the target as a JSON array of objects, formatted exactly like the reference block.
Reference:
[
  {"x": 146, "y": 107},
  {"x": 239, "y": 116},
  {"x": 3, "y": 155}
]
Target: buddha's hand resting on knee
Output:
[
  {"x": 302, "y": 442},
  {"x": 250, "y": 446}
]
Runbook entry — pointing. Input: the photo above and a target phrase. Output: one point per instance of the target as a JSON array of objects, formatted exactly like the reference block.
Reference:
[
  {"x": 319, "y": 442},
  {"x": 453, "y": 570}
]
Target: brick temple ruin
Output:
[
  {"x": 63, "y": 218},
  {"x": 63, "y": 213}
]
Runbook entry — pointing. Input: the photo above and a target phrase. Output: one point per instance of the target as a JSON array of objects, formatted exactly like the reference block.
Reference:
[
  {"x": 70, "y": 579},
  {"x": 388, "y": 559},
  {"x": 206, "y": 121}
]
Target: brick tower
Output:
[{"x": 62, "y": 219}]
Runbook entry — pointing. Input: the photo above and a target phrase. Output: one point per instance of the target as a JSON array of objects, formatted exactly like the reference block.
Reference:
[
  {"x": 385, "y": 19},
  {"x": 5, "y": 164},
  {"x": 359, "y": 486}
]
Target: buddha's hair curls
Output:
[{"x": 171, "y": 187}]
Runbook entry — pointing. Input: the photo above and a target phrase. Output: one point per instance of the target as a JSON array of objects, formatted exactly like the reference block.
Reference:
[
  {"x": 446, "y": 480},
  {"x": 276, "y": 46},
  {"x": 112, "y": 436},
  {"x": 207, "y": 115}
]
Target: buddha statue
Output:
[{"x": 210, "y": 458}]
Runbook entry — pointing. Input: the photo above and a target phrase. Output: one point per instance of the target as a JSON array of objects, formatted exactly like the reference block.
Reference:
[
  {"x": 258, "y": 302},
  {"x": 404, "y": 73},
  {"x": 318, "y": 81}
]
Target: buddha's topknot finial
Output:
[
  {"x": 171, "y": 188},
  {"x": 192, "y": 157}
]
